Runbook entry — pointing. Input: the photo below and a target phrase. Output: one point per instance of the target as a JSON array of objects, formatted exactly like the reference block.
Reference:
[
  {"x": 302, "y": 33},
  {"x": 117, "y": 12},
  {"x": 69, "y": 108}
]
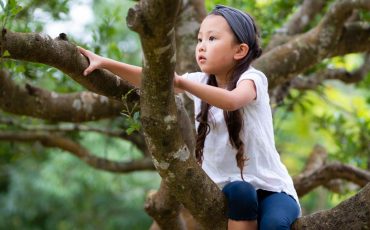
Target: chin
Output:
[{"x": 204, "y": 70}]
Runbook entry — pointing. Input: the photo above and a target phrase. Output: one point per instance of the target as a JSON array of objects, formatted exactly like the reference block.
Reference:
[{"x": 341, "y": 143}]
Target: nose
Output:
[{"x": 201, "y": 47}]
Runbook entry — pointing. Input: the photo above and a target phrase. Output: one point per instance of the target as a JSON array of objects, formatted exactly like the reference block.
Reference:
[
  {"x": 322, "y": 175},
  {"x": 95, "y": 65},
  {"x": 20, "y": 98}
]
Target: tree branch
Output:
[
  {"x": 317, "y": 172},
  {"x": 357, "y": 206},
  {"x": 304, "y": 183},
  {"x": 164, "y": 209},
  {"x": 63, "y": 55},
  {"x": 52, "y": 140},
  {"x": 312, "y": 81},
  {"x": 297, "y": 23},
  {"x": 40, "y": 103},
  {"x": 348, "y": 43},
  {"x": 171, "y": 157},
  {"x": 286, "y": 61},
  {"x": 303, "y": 16},
  {"x": 135, "y": 138}
]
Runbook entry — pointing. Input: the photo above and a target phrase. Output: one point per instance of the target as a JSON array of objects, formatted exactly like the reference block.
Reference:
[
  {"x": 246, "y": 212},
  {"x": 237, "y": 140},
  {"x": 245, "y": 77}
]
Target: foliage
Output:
[
  {"x": 62, "y": 192},
  {"x": 132, "y": 115},
  {"x": 10, "y": 10}
]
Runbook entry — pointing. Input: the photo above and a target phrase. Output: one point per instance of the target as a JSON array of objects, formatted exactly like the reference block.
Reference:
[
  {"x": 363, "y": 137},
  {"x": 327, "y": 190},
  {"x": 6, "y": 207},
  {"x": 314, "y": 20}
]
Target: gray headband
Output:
[{"x": 241, "y": 24}]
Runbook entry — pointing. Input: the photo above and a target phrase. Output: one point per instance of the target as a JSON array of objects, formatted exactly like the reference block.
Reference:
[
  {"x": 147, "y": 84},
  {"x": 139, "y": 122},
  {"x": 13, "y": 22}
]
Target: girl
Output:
[{"x": 235, "y": 141}]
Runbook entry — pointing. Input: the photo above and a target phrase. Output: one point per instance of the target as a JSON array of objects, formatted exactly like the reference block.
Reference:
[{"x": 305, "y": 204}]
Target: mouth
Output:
[{"x": 201, "y": 59}]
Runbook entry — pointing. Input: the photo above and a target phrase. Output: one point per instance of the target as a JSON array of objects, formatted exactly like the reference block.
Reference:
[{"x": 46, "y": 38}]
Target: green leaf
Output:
[
  {"x": 12, "y": 4},
  {"x": 130, "y": 130},
  {"x": 6, "y": 54},
  {"x": 14, "y": 11}
]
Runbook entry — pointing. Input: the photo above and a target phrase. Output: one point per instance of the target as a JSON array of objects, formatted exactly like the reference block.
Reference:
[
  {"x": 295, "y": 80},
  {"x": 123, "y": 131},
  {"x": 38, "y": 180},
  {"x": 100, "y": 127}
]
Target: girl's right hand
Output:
[{"x": 96, "y": 61}]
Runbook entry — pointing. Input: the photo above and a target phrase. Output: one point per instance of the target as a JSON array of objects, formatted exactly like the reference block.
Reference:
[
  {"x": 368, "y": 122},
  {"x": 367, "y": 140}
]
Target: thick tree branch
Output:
[
  {"x": 171, "y": 157},
  {"x": 63, "y": 55},
  {"x": 358, "y": 207},
  {"x": 347, "y": 42},
  {"x": 36, "y": 102},
  {"x": 318, "y": 173},
  {"x": 355, "y": 38},
  {"x": 161, "y": 205},
  {"x": 164, "y": 209},
  {"x": 286, "y": 61},
  {"x": 53, "y": 140},
  {"x": 331, "y": 25}
]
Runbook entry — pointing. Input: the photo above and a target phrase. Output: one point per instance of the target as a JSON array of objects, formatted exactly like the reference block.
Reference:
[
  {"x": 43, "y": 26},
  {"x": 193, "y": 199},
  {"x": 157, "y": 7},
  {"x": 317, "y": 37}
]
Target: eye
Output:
[
  {"x": 212, "y": 38},
  {"x": 199, "y": 40}
]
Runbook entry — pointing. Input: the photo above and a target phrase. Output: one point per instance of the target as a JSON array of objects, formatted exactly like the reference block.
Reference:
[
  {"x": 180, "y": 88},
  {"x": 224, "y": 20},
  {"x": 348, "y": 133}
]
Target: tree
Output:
[{"x": 288, "y": 57}]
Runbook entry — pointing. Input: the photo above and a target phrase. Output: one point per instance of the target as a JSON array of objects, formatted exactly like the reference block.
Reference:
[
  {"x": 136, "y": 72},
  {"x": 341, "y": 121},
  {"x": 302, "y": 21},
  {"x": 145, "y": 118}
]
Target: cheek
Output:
[{"x": 196, "y": 50}]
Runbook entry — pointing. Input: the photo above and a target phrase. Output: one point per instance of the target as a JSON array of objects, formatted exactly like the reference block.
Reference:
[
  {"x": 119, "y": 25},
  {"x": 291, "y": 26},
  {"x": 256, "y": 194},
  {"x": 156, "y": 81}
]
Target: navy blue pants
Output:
[{"x": 272, "y": 210}]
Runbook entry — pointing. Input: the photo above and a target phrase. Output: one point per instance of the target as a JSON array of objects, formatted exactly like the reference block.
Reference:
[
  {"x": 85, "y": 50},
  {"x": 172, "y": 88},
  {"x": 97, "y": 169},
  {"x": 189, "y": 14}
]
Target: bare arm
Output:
[
  {"x": 228, "y": 100},
  {"x": 224, "y": 99},
  {"x": 128, "y": 72}
]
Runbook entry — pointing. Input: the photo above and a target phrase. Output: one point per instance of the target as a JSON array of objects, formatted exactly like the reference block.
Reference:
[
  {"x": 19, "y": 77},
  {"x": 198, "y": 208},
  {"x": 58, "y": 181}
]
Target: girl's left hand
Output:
[
  {"x": 176, "y": 80},
  {"x": 177, "y": 83}
]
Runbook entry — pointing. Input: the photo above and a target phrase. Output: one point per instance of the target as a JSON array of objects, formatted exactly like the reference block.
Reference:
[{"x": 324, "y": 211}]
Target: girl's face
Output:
[{"x": 217, "y": 46}]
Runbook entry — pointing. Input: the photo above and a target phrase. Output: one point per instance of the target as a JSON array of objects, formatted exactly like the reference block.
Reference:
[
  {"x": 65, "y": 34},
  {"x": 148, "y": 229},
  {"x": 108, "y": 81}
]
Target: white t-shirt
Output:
[{"x": 263, "y": 169}]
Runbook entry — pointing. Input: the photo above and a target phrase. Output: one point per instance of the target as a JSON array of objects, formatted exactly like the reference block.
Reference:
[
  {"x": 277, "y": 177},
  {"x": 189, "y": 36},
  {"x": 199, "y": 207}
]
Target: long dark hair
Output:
[{"x": 245, "y": 31}]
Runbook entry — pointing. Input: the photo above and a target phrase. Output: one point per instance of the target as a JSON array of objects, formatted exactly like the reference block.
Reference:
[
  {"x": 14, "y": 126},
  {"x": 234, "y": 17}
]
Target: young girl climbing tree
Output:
[{"x": 235, "y": 141}]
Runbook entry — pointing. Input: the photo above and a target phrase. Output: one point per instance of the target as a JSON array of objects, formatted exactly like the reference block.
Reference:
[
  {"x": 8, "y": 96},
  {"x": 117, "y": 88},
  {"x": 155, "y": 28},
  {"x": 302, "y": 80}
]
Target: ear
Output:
[{"x": 241, "y": 52}]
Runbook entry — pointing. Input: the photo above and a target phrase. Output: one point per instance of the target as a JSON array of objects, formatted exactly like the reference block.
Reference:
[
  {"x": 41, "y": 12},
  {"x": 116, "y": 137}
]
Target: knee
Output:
[{"x": 241, "y": 193}]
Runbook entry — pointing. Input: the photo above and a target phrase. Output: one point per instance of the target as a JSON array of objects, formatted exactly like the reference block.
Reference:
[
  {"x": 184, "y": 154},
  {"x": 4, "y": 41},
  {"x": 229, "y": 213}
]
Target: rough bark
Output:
[
  {"x": 36, "y": 102},
  {"x": 171, "y": 157},
  {"x": 353, "y": 214},
  {"x": 164, "y": 209},
  {"x": 63, "y": 55},
  {"x": 286, "y": 61},
  {"x": 186, "y": 29}
]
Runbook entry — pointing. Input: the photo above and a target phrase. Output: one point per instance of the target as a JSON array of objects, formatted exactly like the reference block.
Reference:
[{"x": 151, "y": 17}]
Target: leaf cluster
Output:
[{"x": 10, "y": 9}]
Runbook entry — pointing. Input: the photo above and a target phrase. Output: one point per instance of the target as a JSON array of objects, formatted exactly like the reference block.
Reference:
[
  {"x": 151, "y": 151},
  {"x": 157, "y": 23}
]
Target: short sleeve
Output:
[{"x": 260, "y": 81}]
